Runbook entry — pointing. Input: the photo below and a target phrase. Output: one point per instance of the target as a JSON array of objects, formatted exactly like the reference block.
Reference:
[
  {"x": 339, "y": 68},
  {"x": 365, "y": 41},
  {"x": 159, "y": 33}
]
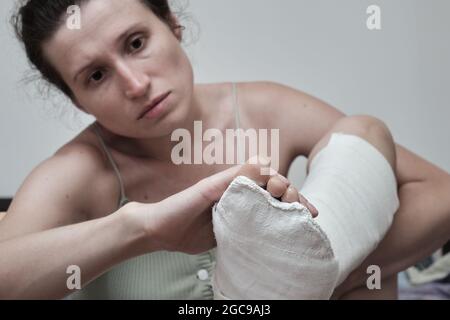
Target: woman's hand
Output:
[{"x": 183, "y": 222}]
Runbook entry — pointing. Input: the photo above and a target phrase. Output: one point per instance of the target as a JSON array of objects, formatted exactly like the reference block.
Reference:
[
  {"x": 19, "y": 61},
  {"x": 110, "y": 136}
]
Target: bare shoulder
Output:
[
  {"x": 302, "y": 118},
  {"x": 62, "y": 190}
]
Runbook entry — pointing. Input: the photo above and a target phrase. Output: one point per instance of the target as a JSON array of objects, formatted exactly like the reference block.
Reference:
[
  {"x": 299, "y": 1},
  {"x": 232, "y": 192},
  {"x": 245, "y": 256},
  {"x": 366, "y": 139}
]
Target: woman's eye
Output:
[
  {"x": 136, "y": 44},
  {"x": 97, "y": 76}
]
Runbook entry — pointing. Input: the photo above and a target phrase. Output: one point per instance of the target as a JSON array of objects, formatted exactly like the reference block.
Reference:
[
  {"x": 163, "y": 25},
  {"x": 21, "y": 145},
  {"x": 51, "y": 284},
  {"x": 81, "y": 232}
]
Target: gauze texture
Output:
[
  {"x": 267, "y": 249},
  {"x": 354, "y": 189}
]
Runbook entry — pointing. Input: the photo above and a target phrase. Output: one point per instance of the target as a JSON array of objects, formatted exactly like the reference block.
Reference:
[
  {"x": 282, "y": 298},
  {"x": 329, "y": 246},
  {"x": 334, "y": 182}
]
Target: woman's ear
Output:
[{"x": 177, "y": 29}]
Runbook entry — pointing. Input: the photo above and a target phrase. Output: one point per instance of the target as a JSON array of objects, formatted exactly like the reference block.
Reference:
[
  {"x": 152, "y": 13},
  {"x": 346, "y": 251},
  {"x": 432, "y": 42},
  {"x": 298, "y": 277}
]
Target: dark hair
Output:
[{"x": 36, "y": 21}]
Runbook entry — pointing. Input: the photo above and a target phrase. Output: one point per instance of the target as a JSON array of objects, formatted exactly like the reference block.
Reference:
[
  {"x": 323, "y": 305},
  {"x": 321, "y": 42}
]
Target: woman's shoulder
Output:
[
  {"x": 270, "y": 97},
  {"x": 81, "y": 153},
  {"x": 301, "y": 117},
  {"x": 90, "y": 168},
  {"x": 84, "y": 145},
  {"x": 255, "y": 99},
  {"x": 69, "y": 187},
  {"x": 261, "y": 104},
  {"x": 266, "y": 104}
]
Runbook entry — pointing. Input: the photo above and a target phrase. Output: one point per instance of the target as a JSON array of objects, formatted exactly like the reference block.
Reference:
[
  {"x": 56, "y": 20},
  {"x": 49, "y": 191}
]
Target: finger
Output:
[
  {"x": 307, "y": 204},
  {"x": 277, "y": 186},
  {"x": 283, "y": 178},
  {"x": 253, "y": 172},
  {"x": 264, "y": 165},
  {"x": 291, "y": 195}
]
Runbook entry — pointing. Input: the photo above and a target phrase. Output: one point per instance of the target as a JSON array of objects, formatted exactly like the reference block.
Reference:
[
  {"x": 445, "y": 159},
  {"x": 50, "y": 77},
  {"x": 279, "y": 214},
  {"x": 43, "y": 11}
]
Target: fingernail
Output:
[
  {"x": 283, "y": 178},
  {"x": 272, "y": 172},
  {"x": 264, "y": 161},
  {"x": 314, "y": 209}
]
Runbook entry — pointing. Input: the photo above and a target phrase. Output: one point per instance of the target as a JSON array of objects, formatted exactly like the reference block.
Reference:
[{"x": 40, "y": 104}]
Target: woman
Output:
[{"x": 126, "y": 55}]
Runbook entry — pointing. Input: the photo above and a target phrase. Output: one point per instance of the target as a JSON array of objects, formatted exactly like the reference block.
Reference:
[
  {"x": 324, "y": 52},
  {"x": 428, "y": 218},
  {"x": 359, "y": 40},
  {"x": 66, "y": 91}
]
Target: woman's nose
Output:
[{"x": 136, "y": 82}]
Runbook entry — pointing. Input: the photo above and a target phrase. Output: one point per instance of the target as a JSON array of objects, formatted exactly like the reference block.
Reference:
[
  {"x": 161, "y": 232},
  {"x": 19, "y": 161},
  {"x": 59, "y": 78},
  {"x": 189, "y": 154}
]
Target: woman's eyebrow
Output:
[{"x": 119, "y": 39}]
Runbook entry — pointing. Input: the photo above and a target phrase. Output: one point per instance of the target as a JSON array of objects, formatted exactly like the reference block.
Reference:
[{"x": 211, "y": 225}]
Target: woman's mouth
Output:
[{"x": 156, "y": 107}]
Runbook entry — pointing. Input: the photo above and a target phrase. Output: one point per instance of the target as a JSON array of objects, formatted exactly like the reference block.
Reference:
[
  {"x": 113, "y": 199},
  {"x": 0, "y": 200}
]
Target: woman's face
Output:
[{"x": 123, "y": 57}]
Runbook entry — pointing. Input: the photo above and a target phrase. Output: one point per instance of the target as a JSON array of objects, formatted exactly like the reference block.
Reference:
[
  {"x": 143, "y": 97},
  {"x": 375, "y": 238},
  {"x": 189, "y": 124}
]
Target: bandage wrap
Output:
[
  {"x": 272, "y": 250},
  {"x": 355, "y": 190},
  {"x": 268, "y": 249}
]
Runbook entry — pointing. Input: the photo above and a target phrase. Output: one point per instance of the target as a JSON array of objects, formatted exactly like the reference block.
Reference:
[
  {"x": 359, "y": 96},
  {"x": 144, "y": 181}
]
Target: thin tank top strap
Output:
[{"x": 123, "y": 199}]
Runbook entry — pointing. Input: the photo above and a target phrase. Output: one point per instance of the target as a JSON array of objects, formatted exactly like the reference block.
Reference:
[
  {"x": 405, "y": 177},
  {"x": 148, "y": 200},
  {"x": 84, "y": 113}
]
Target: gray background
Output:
[{"x": 323, "y": 47}]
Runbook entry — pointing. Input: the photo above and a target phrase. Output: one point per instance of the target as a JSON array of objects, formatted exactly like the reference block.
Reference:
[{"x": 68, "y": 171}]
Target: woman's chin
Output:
[{"x": 175, "y": 119}]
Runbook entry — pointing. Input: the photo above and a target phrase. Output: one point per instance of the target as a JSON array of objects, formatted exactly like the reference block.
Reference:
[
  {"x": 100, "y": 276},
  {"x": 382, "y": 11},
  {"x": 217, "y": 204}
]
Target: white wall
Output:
[{"x": 400, "y": 73}]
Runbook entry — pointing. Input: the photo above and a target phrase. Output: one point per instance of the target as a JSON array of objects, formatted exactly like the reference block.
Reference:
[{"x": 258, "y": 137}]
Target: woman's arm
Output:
[
  {"x": 34, "y": 266},
  {"x": 46, "y": 228}
]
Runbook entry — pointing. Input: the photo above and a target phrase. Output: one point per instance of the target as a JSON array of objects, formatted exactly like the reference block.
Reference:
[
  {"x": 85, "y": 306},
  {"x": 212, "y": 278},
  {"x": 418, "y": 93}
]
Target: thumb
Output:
[
  {"x": 213, "y": 187},
  {"x": 202, "y": 194}
]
